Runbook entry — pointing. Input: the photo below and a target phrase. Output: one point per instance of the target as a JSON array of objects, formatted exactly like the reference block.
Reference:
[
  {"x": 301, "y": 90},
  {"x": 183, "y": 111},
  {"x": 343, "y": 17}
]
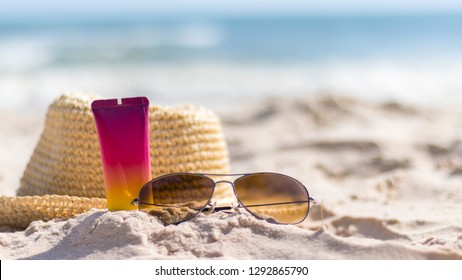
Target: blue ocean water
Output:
[{"x": 409, "y": 57}]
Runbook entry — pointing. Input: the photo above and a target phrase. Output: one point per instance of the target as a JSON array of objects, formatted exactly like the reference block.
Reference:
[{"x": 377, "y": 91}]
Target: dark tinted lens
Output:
[
  {"x": 273, "y": 197},
  {"x": 177, "y": 197}
]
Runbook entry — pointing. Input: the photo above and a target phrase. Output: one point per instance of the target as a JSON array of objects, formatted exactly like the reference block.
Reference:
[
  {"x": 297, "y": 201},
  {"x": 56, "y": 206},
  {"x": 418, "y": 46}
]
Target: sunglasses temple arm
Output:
[
  {"x": 223, "y": 208},
  {"x": 280, "y": 203},
  {"x": 226, "y": 208},
  {"x": 137, "y": 202}
]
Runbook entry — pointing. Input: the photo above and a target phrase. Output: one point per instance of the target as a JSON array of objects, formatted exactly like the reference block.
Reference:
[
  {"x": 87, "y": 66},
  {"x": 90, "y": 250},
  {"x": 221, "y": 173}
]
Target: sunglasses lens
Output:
[
  {"x": 177, "y": 197},
  {"x": 273, "y": 197}
]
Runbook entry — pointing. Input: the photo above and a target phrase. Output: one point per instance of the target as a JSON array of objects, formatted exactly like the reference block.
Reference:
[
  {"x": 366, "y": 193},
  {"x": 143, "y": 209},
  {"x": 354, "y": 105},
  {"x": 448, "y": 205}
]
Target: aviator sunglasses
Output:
[{"x": 178, "y": 197}]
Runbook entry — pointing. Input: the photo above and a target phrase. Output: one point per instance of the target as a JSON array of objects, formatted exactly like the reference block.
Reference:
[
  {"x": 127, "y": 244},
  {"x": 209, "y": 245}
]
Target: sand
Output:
[{"x": 387, "y": 178}]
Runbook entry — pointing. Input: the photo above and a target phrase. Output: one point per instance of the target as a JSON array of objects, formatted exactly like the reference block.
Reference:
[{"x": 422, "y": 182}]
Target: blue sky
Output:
[{"x": 18, "y": 8}]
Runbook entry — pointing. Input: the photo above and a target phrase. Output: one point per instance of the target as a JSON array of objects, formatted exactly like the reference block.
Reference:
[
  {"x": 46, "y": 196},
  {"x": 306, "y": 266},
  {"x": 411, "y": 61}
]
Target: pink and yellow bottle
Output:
[{"x": 123, "y": 132}]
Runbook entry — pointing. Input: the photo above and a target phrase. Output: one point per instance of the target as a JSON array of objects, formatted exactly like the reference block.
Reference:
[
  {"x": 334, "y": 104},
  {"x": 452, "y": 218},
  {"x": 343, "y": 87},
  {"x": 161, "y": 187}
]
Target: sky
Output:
[{"x": 24, "y": 8}]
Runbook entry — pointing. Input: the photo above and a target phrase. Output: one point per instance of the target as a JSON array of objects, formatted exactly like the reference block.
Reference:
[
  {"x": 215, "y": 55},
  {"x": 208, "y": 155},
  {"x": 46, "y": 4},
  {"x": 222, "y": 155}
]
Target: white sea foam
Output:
[
  {"x": 21, "y": 53},
  {"x": 198, "y": 35},
  {"x": 213, "y": 84}
]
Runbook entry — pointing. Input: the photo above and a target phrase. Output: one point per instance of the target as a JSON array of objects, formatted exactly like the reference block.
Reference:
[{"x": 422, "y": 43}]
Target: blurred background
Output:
[{"x": 218, "y": 54}]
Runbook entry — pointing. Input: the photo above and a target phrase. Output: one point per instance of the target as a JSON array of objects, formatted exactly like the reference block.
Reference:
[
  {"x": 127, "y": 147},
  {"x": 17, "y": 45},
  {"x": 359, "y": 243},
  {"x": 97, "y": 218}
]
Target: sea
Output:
[{"x": 224, "y": 61}]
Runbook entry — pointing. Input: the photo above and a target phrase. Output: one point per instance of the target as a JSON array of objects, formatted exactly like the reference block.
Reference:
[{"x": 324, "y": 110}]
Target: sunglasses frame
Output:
[{"x": 209, "y": 206}]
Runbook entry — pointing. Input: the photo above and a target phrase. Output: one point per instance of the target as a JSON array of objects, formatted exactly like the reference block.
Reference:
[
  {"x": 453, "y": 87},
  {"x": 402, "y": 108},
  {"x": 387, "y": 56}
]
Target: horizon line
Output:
[
  {"x": 144, "y": 15},
  {"x": 233, "y": 13}
]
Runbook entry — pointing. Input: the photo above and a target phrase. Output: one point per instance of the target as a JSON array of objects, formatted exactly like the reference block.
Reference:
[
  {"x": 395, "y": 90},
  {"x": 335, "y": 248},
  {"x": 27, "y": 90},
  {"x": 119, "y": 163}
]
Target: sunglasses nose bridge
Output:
[
  {"x": 224, "y": 181},
  {"x": 233, "y": 191}
]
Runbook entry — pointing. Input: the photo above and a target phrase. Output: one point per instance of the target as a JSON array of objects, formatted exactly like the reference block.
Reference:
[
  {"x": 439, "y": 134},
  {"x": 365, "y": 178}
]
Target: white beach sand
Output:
[{"x": 387, "y": 178}]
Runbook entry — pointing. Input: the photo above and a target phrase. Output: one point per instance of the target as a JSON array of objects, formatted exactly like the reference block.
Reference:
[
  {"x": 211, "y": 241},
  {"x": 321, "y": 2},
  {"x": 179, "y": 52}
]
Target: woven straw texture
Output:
[
  {"x": 20, "y": 211},
  {"x": 67, "y": 160}
]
